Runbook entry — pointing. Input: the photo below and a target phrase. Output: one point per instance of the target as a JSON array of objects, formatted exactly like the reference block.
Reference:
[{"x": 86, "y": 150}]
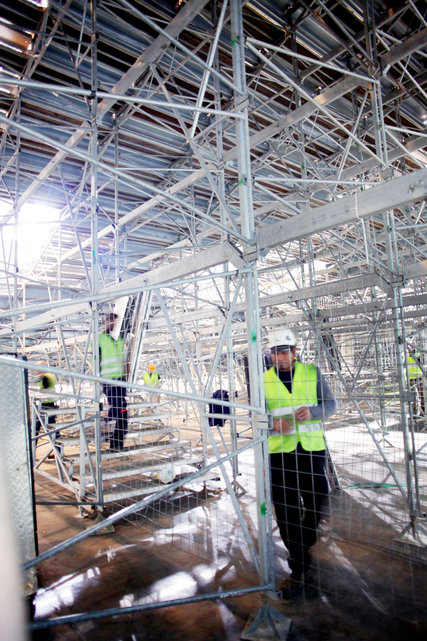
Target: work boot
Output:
[{"x": 290, "y": 587}]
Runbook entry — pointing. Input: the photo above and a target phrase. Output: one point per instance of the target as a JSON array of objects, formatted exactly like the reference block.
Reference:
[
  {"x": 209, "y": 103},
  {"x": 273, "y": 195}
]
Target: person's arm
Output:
[
  {"x": 326, "y": 407},
  {"x": 326, "y": 404}
]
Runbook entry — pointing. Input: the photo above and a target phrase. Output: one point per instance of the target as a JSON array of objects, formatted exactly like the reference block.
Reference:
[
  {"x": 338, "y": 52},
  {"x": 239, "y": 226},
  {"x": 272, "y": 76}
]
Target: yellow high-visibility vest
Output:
[
  {"x": 151, "y": 379},
  {"x": 112, "y": 356},
  {"x": 51, "y": 379},
  {"x": 413, "y": 368},
  {"x": 304, "y": 392},
  {"x": 51, "y": 382}
]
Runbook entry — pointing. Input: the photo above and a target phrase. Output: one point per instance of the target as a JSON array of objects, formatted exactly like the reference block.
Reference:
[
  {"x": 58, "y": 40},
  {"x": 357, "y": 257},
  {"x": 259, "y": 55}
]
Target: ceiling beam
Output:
[
  {"x": 362, "y": 204},
  {"x": 205, "y": 259},
  {"x": 404, "y": 49},
  {"x": 323, "y": 99},
  {"x": 369, "y": 165}
]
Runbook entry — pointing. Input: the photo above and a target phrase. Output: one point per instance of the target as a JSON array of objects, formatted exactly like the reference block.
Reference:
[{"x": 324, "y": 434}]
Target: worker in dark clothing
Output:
[
  {"x": 298, "y": 399},
  {"x": 214, "y": 408}
]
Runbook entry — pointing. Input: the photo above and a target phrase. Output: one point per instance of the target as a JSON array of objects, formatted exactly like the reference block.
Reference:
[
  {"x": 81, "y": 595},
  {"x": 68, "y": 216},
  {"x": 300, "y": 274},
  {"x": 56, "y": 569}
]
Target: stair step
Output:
[
  {"x": 148, "y": 431},
  {"x": 130, "y": 490},
  {"x": 147, "y": 467},
  {"x": 120, "y": 494},
  {"x": 139, "y": 405},
  {"x": 142, "y": 468},
  {"x": 149, "y": 417},
  {"x": 144, "y": 449}
]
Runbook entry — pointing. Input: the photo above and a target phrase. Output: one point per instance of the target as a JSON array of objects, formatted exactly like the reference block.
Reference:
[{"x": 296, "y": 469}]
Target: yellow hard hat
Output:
[{"x": 152, "y": 366}]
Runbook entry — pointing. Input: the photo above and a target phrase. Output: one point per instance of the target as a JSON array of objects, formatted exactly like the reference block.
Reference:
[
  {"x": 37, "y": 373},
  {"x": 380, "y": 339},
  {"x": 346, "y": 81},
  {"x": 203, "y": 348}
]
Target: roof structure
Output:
[{"x": 171, "y": 132}]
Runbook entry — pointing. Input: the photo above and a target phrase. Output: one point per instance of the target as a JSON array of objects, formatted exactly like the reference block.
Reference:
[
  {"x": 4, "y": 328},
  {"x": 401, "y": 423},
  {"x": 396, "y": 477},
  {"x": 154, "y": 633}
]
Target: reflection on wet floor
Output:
[{"x": 358, "y": 592}]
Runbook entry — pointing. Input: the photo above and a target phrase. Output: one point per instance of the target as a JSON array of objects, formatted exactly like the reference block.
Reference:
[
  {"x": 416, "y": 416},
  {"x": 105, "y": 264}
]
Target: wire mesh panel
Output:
[{"x": 17, "y": 461}]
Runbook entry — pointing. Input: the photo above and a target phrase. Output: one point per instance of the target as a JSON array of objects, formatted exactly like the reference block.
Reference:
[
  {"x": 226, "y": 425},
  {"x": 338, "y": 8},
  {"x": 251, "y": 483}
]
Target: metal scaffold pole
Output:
[
  {"x": 93, "y": 147},
  {"x": 267, "y": 617},
  {"x": 416, "y": 518}
]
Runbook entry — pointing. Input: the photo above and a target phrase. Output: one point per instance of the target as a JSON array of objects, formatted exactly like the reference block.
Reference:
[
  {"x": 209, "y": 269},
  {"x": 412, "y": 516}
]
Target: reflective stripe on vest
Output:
[
  {"x": 151, "y": 379},
  {"x": 112, "y": 356},
  {"x": 280, "y": 402}
]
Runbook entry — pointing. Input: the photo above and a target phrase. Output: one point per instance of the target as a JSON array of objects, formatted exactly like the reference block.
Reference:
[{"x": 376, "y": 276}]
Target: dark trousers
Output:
[
  {"x": 117, "y": 411},
  {"x": 51, "y": 420},
  {"x": 299, "y": 489}
]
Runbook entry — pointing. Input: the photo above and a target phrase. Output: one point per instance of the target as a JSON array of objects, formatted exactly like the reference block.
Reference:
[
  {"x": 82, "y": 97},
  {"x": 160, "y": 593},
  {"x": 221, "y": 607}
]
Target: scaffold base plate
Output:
[{"x": 268, "y": 624}]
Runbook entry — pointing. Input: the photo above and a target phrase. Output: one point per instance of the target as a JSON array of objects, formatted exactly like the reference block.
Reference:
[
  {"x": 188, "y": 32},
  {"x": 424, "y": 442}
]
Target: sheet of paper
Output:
[{"x": 284, "y": 411}]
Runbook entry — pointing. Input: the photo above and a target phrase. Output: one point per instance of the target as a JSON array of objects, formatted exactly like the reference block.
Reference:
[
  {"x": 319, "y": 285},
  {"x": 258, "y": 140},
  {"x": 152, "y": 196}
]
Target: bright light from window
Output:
[
  {"x": 40, "y": 3},
  {"x": 35, "y": 223}
]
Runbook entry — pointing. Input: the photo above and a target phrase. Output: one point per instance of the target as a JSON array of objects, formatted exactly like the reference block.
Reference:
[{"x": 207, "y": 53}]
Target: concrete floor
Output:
[{"x": 360, "y": 592}]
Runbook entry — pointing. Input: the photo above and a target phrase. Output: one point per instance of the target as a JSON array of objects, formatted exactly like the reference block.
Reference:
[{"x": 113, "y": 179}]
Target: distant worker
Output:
[
  {"x": 113, "y": 366},
  {"x": 416, "y": 382},
  {"x": 47, "y": 383},
  {"x": 299, "y": 399},
  {"x": 151, "y": 379},
  {"x": 214, "y": 408}
]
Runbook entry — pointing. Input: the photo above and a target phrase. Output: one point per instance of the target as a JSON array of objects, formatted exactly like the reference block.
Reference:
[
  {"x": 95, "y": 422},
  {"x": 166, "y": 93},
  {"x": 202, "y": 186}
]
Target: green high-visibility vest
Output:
[
  {"x": 304, "y": 392},
  {"x": 413, "y": 368},
  {"x": 112, "y": 356},
  {"x": 151, "y": 379},
  {"x": 51, "y": 381}
]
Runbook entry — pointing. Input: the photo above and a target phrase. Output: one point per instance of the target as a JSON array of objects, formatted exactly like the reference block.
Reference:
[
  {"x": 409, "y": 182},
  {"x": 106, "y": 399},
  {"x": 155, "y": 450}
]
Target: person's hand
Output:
[
  {"x": 303, "y": 414},
  {"x": 286, "y": 426},
  {"x": 282, "y": 425}
]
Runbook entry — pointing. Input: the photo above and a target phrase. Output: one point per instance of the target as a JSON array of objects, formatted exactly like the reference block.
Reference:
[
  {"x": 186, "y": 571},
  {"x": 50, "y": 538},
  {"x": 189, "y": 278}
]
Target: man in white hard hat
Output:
[{"x": 299, "y": 399}]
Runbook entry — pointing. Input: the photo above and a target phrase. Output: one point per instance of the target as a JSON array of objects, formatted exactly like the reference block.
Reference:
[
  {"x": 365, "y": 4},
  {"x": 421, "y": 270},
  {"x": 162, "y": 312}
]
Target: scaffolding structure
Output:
[{"x": 218, "y": 169}]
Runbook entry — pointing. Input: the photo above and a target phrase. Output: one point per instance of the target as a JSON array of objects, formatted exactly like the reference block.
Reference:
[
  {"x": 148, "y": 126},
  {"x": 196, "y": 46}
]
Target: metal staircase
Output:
[{"x": 154, "y": 453}]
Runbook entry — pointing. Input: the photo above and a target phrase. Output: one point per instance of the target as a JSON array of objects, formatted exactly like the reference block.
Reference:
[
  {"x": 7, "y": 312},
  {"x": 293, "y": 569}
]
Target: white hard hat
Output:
[{"x": 281, "y": 336}]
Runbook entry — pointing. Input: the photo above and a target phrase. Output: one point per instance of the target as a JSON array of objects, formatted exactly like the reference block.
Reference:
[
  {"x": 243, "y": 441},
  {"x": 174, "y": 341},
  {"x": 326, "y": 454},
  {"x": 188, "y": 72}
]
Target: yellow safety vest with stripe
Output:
[
  {"x": 304, "y": 392},
  {"x": 413, "y": 369},
  {"x": 151, "y": 379},
  {"x": 112, "y": 356}
]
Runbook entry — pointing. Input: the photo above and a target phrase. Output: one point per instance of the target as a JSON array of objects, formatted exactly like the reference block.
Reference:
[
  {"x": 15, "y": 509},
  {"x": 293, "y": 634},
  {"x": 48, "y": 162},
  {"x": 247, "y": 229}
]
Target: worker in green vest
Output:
[
  {"x": 113, "y": 366},
  {"x": 47, "y": 383},
  {"x": 416, "y": 381},
  {"x": 298, "y": 400},
  {"x": 151, "y": 379}
]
